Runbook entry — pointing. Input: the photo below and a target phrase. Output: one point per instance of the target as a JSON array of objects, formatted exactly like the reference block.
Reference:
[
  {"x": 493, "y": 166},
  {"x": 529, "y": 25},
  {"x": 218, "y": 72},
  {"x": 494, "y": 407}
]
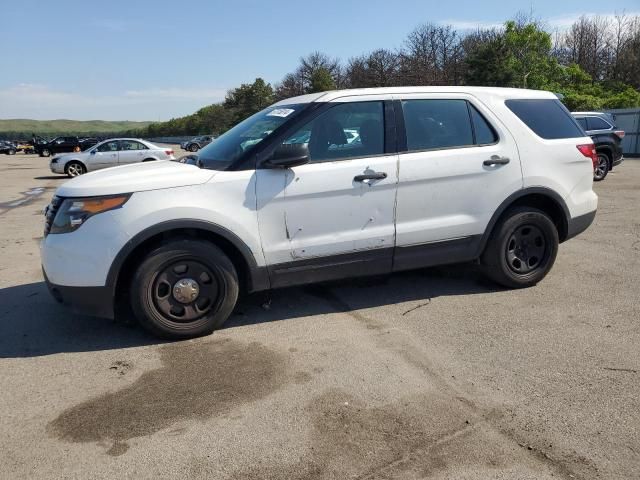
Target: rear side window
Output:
[
  {"x": 432, "y": 124},
  {"x": 548, "y": 118},
  {"x": 485, "y": 134},
  {"x": 596, "y": 123},
  {"x": 131, "y": 145}
]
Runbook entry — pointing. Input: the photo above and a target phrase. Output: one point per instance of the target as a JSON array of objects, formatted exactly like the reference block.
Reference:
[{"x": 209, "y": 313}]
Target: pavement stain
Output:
[
  {"x": 196, "y": 381},
  {"x": 350, "y": 439}
]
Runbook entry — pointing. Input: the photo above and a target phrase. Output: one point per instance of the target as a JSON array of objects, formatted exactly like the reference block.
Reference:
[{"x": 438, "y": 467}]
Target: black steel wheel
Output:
[
  {"x": 526, "y": 249},
  {"x": 184, "y": 288},
  {"x": 522, "y": 248}
]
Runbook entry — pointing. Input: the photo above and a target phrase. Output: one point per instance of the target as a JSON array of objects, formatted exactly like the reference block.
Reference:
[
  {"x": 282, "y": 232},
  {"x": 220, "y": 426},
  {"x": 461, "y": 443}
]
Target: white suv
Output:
[{"x": 436, "y": 175}]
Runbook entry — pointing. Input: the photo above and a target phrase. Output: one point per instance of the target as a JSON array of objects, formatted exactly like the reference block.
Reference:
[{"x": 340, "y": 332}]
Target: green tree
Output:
[
  {"x": 321, "y": 81},
  {"x": 529, "y": 54},
  {"x": 488, "y": 64},
  {"x": 248, "y": 99}
]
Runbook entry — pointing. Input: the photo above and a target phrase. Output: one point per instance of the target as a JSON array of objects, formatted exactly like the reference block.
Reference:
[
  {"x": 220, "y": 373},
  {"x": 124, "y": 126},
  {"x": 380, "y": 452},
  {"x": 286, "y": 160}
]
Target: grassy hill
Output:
[{"x": 19, "y": 127}]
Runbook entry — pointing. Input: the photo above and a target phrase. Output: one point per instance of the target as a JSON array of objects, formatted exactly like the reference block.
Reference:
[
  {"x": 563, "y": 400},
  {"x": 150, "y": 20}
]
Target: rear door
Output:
[
  {"x": 333, "y": 217},
  {"x": 131, "y": 151},
  {"x": 458, "y": 165}
]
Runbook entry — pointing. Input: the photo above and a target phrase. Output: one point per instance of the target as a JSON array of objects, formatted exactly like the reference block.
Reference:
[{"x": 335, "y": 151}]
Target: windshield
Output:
[{"x": 228, "y": 147}]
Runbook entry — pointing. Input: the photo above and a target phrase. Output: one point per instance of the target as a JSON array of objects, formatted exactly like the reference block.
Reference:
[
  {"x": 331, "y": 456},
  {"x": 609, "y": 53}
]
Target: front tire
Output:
[
  {"x": 45, "y": 152},
  {"x": 193, "y": 147},
  {"x": 12, "y": 151},
  {"x": 521, "y": 249},
  {"x": 602, "y": 168},
  {"x": 74, "y": 169},
  {"x": 184, "y": 289}
]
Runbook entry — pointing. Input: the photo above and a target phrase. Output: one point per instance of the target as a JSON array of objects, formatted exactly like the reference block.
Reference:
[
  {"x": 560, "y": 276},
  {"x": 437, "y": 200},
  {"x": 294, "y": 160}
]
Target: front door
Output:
[
  {"x": 333, "y": 217},
  {"x": 460, "y": 163},
  {"x": 105, "y": 155}
]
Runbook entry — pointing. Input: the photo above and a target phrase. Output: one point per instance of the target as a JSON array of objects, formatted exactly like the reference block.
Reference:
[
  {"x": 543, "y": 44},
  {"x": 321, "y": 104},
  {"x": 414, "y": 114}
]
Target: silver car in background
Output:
[{"x": 110, "y": 153}]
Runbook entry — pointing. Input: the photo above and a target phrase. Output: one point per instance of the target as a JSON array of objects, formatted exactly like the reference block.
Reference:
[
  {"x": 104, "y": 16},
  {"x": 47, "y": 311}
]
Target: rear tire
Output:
[
  {"x": 602, "y": 168},
  {"x": 12, "y": 151},
  {"x": 193, "y": 147},
  {"x": 521, "y": 249},
  {"x": 46, "y": 152},
  {"x": 184, "y": 289}
]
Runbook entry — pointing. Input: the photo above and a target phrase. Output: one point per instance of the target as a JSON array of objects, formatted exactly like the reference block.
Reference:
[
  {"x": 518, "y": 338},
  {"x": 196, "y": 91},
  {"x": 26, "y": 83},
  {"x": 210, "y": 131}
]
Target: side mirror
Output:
[
  {"x": 287, "y": 156},
  {"x": 190, "y": 160},
  {"x": 93, "y": 152}
]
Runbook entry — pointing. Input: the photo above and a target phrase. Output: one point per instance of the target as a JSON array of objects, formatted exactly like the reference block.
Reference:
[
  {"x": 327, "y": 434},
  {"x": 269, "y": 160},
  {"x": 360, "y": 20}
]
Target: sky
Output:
[{"x": 154, "y": 60}]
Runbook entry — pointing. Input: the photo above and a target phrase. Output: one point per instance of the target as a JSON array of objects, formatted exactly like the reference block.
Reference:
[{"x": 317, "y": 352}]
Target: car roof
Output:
[
  {"x": 118, "y": 138},
  {"x": 596, "y": 114},
  {"x": 506, "y": 93}
]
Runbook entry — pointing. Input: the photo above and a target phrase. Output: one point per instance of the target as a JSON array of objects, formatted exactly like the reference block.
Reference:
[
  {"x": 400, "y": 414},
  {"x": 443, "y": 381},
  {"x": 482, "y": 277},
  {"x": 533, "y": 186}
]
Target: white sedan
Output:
[{"x": 110, "y": 153}]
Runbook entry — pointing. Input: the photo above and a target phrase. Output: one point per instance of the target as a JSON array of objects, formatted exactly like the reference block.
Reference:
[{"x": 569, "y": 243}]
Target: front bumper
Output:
[
  {"x": 94, "y": 301},
  {"x": 56, "y": 167},
  {"x": 577, "y": 225}
]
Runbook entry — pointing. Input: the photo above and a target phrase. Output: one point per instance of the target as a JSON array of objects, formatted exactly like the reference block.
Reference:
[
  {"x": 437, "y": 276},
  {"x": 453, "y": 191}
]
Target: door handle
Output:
[
  {"x": 370, "y": 176},
  {"x": 496, "y": 160}
]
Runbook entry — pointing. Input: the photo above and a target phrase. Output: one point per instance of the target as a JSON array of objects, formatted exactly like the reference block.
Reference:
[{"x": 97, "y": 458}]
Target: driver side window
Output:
[
  {"x": 108, "y": 147},
  {"x": 346, "y": 130}
]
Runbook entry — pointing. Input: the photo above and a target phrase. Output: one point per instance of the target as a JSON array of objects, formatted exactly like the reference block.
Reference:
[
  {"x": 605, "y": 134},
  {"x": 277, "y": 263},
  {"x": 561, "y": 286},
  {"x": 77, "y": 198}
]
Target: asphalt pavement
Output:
[{"x": 434, "y": 373}]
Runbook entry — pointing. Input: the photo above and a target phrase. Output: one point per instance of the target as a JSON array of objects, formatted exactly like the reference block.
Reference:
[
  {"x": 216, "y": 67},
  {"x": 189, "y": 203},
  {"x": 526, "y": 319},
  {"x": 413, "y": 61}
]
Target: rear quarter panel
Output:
[{"x": 554, "y": 164}]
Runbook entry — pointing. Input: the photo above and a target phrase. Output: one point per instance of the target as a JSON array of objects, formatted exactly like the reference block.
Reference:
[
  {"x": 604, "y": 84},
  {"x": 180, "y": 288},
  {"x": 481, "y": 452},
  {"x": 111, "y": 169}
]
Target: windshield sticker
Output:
[{"x": 280, "y": 112}]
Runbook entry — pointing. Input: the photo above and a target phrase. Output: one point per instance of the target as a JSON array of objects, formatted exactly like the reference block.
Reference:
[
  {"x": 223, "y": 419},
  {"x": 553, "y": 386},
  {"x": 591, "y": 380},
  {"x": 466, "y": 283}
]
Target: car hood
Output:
[
  {"x": 135, "y": 178},
  {"x": 71, "y": 156}
]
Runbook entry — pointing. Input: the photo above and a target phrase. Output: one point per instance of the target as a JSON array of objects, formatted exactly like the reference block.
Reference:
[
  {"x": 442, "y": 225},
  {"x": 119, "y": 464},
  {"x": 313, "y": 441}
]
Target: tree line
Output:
[{"x": 594, "y": 64}]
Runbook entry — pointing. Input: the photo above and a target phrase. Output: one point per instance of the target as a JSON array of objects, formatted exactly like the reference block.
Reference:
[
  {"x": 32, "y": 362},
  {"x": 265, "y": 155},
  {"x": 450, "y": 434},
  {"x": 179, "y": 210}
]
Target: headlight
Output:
[
  {"x": 54, "y": 160},
  {"x": 75, "y": 211}
]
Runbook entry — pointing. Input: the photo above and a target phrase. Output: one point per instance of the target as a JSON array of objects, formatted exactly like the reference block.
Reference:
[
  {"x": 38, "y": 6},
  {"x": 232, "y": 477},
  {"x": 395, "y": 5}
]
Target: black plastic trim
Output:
[
  {"x": 318, "y": 269},
  {"x": 456, "y": 250},
  {"x": 390, "y": 136},
  {"x": 579, "y": 224},
  {"x": 258, "y": 278},
  {"x": 401, "y": 133},
  {"x": 519, "y": 194},
  {"x": 94, "y": 301}
]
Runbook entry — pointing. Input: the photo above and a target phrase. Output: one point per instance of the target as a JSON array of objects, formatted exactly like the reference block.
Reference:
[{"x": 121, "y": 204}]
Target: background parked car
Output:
[
  {"x": 7, "y": 148},
  {"x": 607, "y": 137},
  {"x": 196, "y": 143},
  {"x": 63, "y": 144},
  {"x": 25, "y": 147},
  {"x": 109, "y": 153}
]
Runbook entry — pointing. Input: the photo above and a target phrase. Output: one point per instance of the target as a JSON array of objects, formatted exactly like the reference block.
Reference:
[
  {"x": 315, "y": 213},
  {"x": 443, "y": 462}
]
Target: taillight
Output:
[
  {"x": 169, "y": 152},
  {"x": 619, "y": 133},
  {"x": 589, "y": 151}
]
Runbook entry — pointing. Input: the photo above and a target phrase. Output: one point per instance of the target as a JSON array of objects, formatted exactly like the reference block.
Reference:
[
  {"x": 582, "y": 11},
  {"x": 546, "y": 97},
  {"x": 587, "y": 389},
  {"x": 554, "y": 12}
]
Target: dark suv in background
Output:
[
  {"x": 63, "y": 145},
  {"x": 196, "y": 143},
  {"x": 607, "y": 137}
]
